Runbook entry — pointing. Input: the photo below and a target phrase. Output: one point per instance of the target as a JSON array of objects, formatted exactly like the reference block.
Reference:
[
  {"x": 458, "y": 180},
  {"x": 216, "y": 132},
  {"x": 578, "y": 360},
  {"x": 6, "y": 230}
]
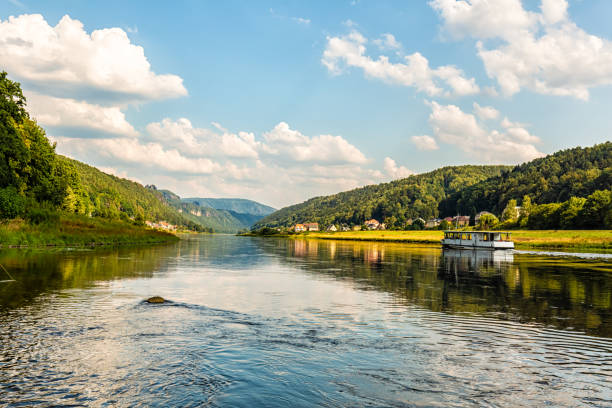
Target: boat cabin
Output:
[{"x": 477, "y": 239}]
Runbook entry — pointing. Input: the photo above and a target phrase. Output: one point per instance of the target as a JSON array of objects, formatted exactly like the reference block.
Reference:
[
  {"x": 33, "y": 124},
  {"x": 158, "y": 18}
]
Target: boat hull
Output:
[{"x": 491, "y": 245}]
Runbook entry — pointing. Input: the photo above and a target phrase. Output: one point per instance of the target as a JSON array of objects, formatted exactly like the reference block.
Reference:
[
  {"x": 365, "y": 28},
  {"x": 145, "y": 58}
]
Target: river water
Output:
[{"x": 280, "y": 322}]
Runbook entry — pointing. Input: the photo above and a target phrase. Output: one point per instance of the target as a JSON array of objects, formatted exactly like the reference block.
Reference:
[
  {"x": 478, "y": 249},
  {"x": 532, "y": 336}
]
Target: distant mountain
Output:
[
  {"x": 394, "y": 203},
  {"x": 228, "y": 215},
  {"x": 237, "y": 205}
]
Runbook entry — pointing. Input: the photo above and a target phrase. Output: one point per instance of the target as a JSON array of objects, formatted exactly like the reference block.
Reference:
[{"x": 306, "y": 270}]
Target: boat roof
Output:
[{"x": 480, "y": 232}]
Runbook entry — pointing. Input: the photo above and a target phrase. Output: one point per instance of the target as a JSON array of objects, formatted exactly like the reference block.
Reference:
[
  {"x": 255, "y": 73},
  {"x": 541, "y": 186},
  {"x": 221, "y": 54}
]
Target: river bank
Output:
[
  {"x": 523, "y": 239},
  {"x": 77, "y": 231}
]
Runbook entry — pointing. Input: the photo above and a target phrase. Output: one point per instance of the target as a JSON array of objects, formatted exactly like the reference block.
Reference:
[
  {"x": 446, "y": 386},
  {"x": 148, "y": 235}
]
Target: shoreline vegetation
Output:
[
  {"x": 72, "y": 230},
  {"x": 523, "y": 239}
]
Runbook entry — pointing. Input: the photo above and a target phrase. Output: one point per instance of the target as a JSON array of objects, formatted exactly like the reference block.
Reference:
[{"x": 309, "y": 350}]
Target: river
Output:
[{"x": 281, "y": 322}]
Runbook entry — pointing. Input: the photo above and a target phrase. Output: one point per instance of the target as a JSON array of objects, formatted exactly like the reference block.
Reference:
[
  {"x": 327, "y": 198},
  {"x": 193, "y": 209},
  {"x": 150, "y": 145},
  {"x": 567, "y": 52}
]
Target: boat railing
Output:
[{"x": 482, "y": 235}]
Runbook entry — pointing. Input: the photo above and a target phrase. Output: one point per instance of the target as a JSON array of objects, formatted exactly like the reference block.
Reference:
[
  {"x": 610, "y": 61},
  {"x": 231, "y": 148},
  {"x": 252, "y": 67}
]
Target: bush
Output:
[
  {"x": 268, "y": 231},
  {"x": 43, "y": 213},
  {"x": 12, "y": 204}
]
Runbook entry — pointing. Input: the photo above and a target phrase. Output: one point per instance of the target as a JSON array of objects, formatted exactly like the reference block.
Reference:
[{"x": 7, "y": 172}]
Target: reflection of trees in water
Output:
[
  {"x": 42, "y": 271},
  {"x": 554, "y": 291}
]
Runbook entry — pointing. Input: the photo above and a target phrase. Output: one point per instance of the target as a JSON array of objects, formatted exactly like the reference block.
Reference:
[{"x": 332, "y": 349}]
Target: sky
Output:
[{"x": 281, "y": 101}]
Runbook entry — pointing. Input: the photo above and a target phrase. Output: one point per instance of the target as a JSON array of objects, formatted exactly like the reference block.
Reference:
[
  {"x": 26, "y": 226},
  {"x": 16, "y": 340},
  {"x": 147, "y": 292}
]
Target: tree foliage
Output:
[
  {"x": 568, "y": 173},
  {"x": 393, "y": 203}
]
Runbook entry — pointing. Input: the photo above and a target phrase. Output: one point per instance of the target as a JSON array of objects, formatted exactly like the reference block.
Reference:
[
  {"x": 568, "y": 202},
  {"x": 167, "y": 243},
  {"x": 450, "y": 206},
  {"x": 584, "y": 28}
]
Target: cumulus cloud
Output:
[
  {"x": 279, "y": 167},
  {"x": 414, "y": 71},
  {"x": 387, "y": 42},
  {"x": 192, "y": 141},
  {"x": 545, "y": 52},
  {"x": 453, "y": 126},
  {"x": 485, "y": 112},
  {"x": 66, "y": 61},
  {"x": 394, "y": 171},
  {"x": 78, "y": 117},
  {"x": 286, "y": 142},
  {"x": 424, "y": 142}
]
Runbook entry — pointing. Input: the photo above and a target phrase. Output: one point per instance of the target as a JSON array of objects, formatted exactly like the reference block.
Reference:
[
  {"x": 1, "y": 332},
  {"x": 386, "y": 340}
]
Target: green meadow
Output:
[{"x": 543, "y": 239}]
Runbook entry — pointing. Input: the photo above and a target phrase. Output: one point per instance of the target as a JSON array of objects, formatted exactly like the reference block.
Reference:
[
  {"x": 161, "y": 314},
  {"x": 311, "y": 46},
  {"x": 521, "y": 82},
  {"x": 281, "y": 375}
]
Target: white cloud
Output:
[
  {"x": 394, "y": 171},
  {"x": 424, "y": 142},
  {"x": 414, "y": 71},
  {"x": 545, "y": 52},
  {"x": 485, "y": 112},
  {"x": 66, "y": 61},
  {"x": 484, "y": 18},
  {"x": 294, "y": 146},
  {"x": 453, "y": 126},
  {"x": 554, "y": 11},
  {"x": 301, "y": 20},
  {"x": 77, "y": 116},
  {"x": 191, "y": 141},
  {"x": 279, "y": 167},
  {"x": 387, "y": 42}
]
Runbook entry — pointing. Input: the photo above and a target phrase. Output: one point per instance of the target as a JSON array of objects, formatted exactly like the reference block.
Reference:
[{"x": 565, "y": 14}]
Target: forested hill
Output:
[
  {"x": 114, "y": 197},
  {"x": 568, "y": 173},
  {"x": 228, "y": 215},
  {"x": 237, "y": 205},
  {"x": 394, "y": 202}
]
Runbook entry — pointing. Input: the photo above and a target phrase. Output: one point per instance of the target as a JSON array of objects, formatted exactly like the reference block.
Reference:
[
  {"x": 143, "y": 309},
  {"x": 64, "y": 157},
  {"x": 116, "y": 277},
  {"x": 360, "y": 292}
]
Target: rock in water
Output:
[{"x": 156, "y": 299}]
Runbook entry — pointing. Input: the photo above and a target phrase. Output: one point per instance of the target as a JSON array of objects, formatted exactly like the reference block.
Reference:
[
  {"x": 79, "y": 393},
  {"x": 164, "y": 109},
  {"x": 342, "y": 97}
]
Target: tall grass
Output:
[{"x": 76, "y": 230}]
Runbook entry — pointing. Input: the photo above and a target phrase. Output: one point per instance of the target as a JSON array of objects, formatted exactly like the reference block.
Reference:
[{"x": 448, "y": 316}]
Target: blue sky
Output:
[{"x": 281, "y": 101}]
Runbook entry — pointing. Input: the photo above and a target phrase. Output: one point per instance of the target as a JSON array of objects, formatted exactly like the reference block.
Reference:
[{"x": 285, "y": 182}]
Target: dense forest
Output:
[
  {"x": 568, "y": 173},
  {"x": 395, "y": 203},
  {"x": 569, "y": 189}
]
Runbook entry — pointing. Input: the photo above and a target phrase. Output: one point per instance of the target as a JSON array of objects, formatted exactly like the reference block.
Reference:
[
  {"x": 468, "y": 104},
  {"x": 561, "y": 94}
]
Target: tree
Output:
[
  {"x": 597, "y": 210},
  {"x": 12, "y": 204},
  {"x": 569, "y": 212},
  {"x": 445, "y": 225},
  {"x": 510, "y": 213},
  {"x": 487, "y": 221},
  {"x": 524, "y": 211}
]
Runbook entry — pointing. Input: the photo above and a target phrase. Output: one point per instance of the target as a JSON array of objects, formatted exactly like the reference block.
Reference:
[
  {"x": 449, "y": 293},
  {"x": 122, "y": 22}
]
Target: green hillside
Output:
[
  {"x": 236, "y": 205},
  {"x": 568, "y": 173},
  {"x": 393, "y": 203},
  {"x": 115, "y": 197}
]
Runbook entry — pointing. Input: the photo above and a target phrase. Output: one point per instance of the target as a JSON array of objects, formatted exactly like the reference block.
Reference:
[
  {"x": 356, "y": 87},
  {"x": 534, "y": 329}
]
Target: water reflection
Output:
[
  {"x": 564, "y": 293},
  {"x": 277, "y": 322}
]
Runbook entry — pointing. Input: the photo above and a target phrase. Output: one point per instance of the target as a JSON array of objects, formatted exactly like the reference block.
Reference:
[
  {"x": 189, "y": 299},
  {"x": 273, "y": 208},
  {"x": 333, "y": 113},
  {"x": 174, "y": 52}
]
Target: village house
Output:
[
  {"x": 433, "y": 223},
  {"x": 332, "y": 228},
  {"x": 449, "y": 219},
  {"x": 163, "y": 225},
  {"x": 345, "y": 227},
  {"x": 299, "y": 228},
  {"x": 372, "y": 224},
  {"x": 311, "y": 226},
  {"x": 356, "y": 227},
  {"x": 461, "y": 220}
]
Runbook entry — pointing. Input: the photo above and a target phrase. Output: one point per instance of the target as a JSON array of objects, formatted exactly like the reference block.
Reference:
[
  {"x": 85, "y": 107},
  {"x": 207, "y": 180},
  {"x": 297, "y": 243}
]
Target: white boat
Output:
[{"x": 477, "y": 239}]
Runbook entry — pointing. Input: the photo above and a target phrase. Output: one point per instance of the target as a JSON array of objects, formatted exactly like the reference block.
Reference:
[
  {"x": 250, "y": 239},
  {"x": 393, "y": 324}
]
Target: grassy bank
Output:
[
  {"x": 74, "y": 230},
  {"x": 525, "y": 239}
]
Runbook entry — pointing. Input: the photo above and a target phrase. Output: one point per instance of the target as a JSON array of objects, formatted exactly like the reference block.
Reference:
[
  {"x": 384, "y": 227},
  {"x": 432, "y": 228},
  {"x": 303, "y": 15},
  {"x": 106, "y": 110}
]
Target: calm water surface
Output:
[{"x": 276, "y": 322}]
